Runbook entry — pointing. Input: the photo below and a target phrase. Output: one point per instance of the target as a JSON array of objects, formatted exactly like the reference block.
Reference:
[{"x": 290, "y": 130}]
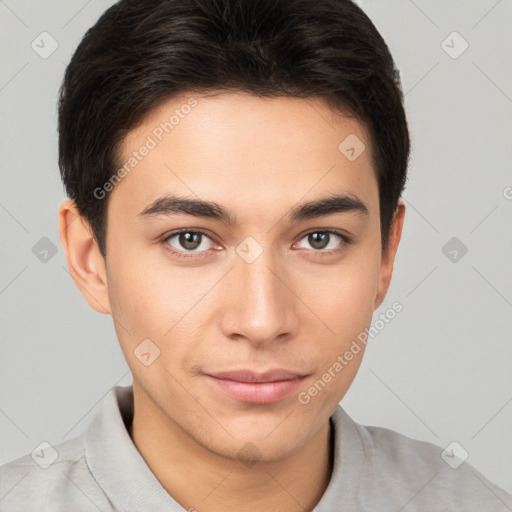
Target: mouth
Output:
[{"x": 257, "y": 388}]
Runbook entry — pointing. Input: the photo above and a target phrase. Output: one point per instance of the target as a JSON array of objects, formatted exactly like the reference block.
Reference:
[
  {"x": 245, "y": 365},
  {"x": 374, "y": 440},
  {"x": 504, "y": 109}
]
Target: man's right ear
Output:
[{"x": 85, "y": 262}]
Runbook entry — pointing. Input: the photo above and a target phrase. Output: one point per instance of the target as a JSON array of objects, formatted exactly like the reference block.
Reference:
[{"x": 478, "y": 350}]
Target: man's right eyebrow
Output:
[{"x": 169, "y": 205}]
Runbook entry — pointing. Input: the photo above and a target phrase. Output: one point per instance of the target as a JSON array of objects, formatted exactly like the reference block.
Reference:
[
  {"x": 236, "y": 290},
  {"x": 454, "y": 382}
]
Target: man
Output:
[{"x": 234, "y": 170}]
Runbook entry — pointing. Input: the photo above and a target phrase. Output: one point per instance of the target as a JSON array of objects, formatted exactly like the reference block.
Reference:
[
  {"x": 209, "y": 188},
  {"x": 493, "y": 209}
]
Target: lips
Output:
[
  {"x": 251, "y": 376},
  {"x": 257, "y": 388}
]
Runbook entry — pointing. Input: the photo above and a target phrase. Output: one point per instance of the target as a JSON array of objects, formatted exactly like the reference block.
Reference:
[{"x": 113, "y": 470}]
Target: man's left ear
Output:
[{"x": 388, "y": 256}]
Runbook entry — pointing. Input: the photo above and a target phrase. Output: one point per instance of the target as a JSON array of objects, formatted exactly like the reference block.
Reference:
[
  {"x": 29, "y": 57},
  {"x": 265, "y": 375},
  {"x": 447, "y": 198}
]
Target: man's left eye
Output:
[{"x": 325, "y": 241}]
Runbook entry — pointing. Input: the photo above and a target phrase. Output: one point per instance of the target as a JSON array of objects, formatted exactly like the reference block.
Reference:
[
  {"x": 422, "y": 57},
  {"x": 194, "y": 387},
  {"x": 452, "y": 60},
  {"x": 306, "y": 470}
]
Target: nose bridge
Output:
[{"x": 261, "y": 306}]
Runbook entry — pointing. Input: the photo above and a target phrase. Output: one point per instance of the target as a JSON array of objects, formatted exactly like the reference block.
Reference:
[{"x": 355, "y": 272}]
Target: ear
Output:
[
  {"x": 388, "y": 257},
  {"x": 85, "y": 262}
]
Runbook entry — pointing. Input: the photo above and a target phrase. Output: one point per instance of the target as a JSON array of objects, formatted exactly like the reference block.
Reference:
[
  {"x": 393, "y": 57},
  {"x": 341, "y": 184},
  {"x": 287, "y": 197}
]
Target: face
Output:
[{"x": 269, "y": 285}]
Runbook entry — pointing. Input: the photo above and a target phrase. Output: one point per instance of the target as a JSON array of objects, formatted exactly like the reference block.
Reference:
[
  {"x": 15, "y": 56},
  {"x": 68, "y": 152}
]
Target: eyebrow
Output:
[{"x": 169, "y": 205}]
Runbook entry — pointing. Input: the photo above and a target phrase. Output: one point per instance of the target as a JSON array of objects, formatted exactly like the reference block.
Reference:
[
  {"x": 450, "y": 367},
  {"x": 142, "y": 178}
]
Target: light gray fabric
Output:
[{"x": 375, "y": 469}]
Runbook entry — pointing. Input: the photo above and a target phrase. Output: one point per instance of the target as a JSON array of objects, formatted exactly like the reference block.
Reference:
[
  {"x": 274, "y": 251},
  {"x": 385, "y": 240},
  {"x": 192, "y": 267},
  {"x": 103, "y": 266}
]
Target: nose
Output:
[{"x": 260, "y": 306}]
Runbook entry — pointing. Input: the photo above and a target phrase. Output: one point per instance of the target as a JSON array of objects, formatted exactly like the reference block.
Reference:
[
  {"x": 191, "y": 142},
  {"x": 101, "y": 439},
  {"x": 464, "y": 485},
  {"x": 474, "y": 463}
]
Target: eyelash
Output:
[{"x": 182, "y": 254}]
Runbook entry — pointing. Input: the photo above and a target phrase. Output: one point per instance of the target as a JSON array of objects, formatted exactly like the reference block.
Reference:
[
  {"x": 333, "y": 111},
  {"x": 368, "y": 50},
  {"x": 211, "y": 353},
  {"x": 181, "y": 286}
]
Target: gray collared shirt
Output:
[{"x": 375, "y": 469}]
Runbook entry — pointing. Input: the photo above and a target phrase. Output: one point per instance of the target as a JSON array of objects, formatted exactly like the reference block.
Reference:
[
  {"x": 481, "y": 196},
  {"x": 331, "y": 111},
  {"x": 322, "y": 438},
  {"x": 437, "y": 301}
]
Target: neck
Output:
[{"x": 200, "y": 480}]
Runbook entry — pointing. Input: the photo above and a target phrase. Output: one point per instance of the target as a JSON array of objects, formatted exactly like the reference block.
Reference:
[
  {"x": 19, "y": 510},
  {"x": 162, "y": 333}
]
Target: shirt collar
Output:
[{"x": 121, "y": 471}]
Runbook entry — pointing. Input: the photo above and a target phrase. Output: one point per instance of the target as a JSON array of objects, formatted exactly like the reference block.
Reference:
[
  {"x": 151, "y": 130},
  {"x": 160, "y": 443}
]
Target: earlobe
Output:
[
  {"x": 85, "y": 262},
  {"x": 388, "y": 257}
]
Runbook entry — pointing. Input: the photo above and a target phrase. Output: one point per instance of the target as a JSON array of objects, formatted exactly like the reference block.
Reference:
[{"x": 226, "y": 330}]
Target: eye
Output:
[
  {"x": 188, "y": 241},
  {"x": 326, "y": 241}
]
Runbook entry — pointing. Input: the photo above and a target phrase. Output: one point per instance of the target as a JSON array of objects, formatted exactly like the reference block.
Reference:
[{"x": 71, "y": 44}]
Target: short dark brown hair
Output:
[{"x": 143, "y": 52}]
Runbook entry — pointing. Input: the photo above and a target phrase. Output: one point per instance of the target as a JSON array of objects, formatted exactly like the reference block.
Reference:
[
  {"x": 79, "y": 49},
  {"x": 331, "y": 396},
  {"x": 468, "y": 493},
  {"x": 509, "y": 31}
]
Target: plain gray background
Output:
[{"x": 440, "y": 371}]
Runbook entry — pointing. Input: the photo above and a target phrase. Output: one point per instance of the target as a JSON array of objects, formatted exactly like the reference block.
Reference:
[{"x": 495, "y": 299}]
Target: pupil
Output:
[
  {"x": 323, "y": 238},
  {"x": 190, "y": 240}
]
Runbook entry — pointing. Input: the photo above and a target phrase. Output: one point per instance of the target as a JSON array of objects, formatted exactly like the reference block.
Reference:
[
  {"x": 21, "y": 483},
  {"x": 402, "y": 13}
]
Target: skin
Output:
[{"x": 290, "y": 308}]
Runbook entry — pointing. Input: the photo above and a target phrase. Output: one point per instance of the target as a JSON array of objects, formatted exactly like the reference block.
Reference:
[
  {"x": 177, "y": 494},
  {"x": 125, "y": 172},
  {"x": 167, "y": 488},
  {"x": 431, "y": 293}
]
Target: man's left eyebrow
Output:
[{"x": 327, "y": 206}]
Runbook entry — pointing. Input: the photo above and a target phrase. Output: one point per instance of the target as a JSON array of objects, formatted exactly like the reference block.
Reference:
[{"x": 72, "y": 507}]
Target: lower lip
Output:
[{"x": 257, "y": 392}]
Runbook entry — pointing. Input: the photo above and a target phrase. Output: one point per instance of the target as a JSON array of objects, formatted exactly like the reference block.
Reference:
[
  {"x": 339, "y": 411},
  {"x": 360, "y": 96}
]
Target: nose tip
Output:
[{"x": 261, "y": 307}]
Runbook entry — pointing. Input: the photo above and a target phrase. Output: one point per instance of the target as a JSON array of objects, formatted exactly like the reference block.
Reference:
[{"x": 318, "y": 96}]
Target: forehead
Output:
[{"x": 237, "y": 146}]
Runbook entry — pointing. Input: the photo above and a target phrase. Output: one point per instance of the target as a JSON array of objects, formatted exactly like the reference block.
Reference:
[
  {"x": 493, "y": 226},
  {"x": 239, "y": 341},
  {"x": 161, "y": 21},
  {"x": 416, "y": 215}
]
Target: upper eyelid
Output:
[{"x": 187, "y": 230}]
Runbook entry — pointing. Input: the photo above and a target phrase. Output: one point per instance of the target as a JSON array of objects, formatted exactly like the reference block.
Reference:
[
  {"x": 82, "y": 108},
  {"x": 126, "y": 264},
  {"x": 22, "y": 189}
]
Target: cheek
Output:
[
  {"x": 142, "y": 307},
  {"x": 343, "y": 296},
  {"x": 149, "y": 301},
  {"x": 346, "y": 306},
  {"x": 141, "y": 297}
]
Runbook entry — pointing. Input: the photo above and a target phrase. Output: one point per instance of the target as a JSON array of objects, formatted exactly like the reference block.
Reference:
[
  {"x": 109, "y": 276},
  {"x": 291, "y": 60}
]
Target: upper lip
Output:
[{"x": 252, "y": 376}]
